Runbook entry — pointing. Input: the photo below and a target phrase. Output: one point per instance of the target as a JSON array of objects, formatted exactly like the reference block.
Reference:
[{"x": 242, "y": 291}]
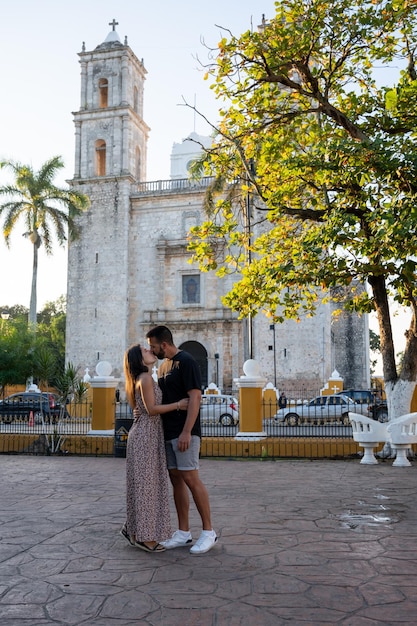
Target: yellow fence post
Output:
[
  {"x": 104, "y": 387},
  {"x": 250, "y": 403}
]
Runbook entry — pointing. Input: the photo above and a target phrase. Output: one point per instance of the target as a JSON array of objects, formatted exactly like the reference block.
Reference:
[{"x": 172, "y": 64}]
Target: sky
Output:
[{"x": 39, "y": 46}]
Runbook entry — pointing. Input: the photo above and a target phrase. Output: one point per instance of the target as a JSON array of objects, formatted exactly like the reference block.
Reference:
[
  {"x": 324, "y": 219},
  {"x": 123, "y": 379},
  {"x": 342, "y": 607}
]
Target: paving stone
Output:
[{"x": 300, "y": 542}]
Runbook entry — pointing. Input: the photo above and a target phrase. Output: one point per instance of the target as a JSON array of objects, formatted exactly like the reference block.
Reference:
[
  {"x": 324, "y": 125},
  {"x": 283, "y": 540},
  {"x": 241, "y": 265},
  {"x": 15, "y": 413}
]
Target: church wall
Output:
[
  {"x": 159, "y": 226},
  {"x": 302, "y": 351},
  {"x": 351, "y": 345}
]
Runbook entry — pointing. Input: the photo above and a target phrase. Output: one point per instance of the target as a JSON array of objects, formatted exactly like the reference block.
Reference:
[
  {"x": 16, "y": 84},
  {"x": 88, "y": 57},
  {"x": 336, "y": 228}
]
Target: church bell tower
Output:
[{"x": 110, "y": 159}]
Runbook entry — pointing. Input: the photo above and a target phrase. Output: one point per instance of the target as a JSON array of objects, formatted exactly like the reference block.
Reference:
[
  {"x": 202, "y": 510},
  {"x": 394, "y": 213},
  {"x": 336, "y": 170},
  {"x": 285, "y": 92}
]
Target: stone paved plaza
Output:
[{"x": 300, "y": 542}]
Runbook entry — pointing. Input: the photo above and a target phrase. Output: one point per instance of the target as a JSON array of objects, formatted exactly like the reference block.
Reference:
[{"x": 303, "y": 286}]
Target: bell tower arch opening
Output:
[
  {"x": 103, "y": 88},
  {"x": 100, "y": 157}
]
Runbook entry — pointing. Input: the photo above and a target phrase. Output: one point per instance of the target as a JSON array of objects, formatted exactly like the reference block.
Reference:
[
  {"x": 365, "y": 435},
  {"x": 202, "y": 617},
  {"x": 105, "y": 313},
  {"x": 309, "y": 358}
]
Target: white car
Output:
[
  {"x": 219, "y": 409},
  {"x": 320, "y": 410}
]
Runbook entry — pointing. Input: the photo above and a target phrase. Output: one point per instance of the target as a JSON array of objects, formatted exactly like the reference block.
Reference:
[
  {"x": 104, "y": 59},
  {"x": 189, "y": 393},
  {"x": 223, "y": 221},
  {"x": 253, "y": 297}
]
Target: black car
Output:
[
  {"x": 370, "y": 400},
  {"x": 23, "y": 406},
  {"x": 379, "y": 411},
  {"x": 361, "y": 396}
]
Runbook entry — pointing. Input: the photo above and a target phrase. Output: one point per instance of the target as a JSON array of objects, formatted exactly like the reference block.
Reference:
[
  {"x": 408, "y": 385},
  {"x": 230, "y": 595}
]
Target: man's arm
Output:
[{"x": 192, "y": 412}]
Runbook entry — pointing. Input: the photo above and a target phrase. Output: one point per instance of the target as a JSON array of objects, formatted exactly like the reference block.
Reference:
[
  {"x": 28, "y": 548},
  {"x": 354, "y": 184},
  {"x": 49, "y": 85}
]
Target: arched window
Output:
[
  {"x": 103, "y": 86},
  {"x": 100, "y": 157}
]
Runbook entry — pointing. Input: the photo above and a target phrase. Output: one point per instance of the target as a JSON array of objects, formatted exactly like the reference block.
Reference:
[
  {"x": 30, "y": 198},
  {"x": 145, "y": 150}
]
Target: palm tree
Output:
[{"x": 44, "y": 208}]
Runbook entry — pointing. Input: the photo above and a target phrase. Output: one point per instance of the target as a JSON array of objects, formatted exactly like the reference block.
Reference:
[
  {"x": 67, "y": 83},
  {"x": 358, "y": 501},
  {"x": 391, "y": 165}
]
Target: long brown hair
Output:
[{"x": 133, "y": 366}]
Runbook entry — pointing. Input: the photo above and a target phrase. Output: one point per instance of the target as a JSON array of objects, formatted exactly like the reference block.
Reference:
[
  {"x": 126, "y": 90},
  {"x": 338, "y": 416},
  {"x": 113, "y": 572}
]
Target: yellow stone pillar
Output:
[
  {"x": 250, "y": 403},
  {"x": 103, "y": 387}
]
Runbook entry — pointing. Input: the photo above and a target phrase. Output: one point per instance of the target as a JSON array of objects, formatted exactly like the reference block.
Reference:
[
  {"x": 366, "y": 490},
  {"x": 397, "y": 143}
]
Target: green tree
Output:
[
  {"x": 326, "y": 161},
  {"x": 16, "y": 352},
  {"x": 44, "y": 208},
  {"x": 52, "y": 327},
  {"x": 23, "y": 355}
]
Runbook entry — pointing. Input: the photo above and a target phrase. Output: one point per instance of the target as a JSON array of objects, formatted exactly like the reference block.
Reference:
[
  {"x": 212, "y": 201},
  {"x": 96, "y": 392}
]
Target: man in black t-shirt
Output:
[
  {"x": 176, "y": 378},
  {"x": 179, "y": 377}
]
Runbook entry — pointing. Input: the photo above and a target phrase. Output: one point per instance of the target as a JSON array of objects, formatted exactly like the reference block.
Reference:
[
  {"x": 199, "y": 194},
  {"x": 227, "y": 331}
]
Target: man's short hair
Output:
[{"x": 160, "y": 333}]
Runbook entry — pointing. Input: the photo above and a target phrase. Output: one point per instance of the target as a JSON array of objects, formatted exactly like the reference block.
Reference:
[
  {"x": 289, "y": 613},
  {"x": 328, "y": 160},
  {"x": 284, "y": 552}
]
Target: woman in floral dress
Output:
[{"x": 147, "y": 492}]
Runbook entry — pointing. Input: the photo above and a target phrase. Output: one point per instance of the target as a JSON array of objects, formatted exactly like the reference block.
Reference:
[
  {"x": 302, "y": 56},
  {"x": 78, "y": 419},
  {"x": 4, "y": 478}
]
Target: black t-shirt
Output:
[{"x": 176, "y": 377}]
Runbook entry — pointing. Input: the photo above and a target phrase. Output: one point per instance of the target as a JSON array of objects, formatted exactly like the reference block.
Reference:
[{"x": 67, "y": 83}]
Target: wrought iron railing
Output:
[{"x": 50, "y": 434}]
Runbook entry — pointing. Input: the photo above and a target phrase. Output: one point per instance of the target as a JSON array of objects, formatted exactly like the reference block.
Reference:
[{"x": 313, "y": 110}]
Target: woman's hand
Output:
[{"x": 183, "y": 404}]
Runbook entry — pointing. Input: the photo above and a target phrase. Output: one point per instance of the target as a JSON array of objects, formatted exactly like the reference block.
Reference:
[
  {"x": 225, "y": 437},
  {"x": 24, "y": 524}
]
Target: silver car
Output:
[
  {"x": 320, "y": 410},
  {"x": 219, "y": 409}
]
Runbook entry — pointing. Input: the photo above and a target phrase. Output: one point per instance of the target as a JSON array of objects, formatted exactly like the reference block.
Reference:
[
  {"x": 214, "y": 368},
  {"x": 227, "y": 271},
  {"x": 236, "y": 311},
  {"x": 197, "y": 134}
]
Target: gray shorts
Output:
[{"x": 188, "y": 460}]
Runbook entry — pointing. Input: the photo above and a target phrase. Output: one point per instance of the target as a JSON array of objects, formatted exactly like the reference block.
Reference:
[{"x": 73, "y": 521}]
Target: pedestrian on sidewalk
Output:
[
  {"x": 179, "y": 376},
  {"x": 147, "y": 493},
  {"x": 282, "y": 401}
]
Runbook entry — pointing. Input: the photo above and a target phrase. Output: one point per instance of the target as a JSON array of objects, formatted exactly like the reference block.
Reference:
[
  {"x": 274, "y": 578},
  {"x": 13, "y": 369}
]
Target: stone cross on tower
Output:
[{"x": 114, "y": 24}]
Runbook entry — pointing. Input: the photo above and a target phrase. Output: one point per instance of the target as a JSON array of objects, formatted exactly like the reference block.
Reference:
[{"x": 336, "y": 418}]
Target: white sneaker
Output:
[
  {"x": 179, "y": 538},
  {"x": 205, "y": 542}
]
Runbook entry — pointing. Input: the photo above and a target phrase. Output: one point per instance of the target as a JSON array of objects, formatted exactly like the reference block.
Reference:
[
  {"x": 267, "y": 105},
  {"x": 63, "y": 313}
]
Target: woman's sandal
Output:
[
  {"x": 142, "y": 545},
  {"x": 125, "y": 534}
]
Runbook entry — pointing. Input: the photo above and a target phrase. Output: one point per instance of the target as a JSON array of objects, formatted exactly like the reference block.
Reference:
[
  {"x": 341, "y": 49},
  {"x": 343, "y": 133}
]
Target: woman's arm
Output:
[{"x": 145, "y": 384}]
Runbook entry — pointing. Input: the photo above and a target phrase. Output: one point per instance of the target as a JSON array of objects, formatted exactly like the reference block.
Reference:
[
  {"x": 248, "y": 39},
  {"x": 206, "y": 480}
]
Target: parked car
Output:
[
  {"x": 371, "y": 402},
  {"x": 219, "y": 409},
  {"x": 361, "y": 396},
  {"x": 378, "y": 411},
  {"x": 19, "y": 406},
  {"x": 320, "y": 410}
]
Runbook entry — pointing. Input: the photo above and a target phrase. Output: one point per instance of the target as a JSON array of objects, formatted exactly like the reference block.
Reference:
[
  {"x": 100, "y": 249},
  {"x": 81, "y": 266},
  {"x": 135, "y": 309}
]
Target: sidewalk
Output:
[{"x": 300, "y": 542}]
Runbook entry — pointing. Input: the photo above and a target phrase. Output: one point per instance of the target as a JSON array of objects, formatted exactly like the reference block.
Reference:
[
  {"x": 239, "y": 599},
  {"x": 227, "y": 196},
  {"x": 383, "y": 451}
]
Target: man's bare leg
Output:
[
  {"x": 181, "y": 499},
  {"x": 199, "y": 492}
]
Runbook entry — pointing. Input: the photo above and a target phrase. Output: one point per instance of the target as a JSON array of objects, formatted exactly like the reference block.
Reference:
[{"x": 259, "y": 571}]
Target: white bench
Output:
[
  {"x": 368, "y": 433},
  {"x": 402, "y": 432}
]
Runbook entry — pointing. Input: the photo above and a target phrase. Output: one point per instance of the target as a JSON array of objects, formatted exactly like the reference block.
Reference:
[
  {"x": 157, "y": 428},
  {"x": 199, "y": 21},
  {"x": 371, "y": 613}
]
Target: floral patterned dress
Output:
[{"x": 147, "y": 491}]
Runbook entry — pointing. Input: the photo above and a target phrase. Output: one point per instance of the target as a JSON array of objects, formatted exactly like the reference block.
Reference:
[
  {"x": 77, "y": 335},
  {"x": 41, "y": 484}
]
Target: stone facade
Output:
[{"x": 130, "y": 268}]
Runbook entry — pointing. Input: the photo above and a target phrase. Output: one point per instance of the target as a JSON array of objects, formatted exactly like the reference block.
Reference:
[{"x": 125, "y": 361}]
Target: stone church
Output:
[{"x": 130, "y": 268}]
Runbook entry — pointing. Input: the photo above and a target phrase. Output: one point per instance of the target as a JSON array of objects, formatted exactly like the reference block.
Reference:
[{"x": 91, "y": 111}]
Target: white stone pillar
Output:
[
  {"x": 125, "y": 78},
  {"x": 83, "y": 104},
  {"x": 125, "y": 144},
  {"x": 77, "y": 164}
]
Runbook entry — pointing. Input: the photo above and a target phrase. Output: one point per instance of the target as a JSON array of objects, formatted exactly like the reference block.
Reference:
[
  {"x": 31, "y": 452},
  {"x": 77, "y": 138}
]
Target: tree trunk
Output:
[
  {"x": 399, "y": 389},
  {"x": 409, "y": 364},
  {"x": 399, "y": 396},
  {"x": 379, "y": 291},
  {"x": 33, "y": 293}
]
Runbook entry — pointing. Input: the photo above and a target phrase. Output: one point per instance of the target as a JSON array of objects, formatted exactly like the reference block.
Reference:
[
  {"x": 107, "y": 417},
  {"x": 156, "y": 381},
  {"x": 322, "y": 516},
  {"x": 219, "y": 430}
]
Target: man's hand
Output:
[{"x": 184, "y": 441}]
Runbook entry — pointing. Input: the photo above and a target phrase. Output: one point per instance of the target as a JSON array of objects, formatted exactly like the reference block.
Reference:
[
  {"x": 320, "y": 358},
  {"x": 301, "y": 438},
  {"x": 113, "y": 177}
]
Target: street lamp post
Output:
[
  {"x": 217, "y": 356},
  {"x": 272, "y": 327},
  {"x": 248, "y": 226}
]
